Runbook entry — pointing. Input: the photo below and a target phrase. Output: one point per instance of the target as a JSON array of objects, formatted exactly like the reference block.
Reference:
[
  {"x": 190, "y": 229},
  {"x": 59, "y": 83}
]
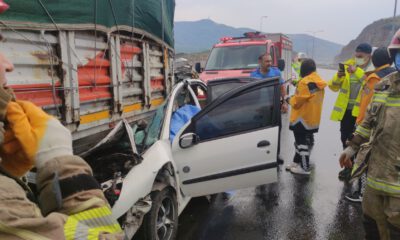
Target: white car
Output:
[{"x": 230, "y": 144}]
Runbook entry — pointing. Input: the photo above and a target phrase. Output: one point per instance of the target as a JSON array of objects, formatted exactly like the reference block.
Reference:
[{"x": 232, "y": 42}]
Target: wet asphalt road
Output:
[{"x": 296, "y": 207}]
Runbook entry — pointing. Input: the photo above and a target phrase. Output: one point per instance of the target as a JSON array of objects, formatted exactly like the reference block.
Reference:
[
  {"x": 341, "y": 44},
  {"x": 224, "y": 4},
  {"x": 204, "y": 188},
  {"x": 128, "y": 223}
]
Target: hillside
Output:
[
  {"x": 378, "y": 34},
  {"x": 324, "y": 50},
  {"x": 200, "y": 36}
]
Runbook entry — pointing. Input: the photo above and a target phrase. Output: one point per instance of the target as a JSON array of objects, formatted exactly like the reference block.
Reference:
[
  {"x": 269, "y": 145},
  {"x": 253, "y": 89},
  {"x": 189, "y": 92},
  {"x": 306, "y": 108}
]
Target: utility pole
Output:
[
  {"x": 313, "y": 43},
  {"x": 261, "y": 22}
]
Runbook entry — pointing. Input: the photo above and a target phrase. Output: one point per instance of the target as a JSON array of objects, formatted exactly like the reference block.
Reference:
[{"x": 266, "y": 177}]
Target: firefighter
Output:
[
  {"x": 70, "y": 203},
  {"x": 348, "y": 83},
  {"x": 305, "y": 115},
  {"x": 381, "y": 61},
  {"x": 296, "y": 66},
  {"x": 377, "y": 141}
]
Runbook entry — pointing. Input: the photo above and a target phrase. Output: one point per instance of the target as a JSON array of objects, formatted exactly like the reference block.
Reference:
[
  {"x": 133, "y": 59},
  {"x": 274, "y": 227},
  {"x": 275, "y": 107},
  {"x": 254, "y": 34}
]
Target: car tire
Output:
[{"x": 161, "y": 223}]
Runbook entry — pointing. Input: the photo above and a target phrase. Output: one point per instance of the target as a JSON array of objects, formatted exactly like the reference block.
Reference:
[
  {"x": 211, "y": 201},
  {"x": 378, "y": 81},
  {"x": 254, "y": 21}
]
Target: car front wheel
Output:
[{"x": 161, "y": 223}]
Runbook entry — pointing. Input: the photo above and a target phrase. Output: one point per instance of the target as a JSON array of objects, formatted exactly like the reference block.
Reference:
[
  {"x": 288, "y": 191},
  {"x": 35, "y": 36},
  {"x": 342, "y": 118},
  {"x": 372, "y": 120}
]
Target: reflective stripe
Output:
[
  {"x": 337, "y": 109},
  {"x": 363, "y": 131},
  {"x": 21, "y": 233},
  {"x": 383, "y": 186},
  {"x": 303, "y": 147},
  {"x": 88, "y": 224},
  {"x": 379, "y": 100},
  {"x": 381, "y": 97},
  {"x": 344, "y": 91},
  {"x": 393, "y": 102},
  {"x": 306, "y": 153}
]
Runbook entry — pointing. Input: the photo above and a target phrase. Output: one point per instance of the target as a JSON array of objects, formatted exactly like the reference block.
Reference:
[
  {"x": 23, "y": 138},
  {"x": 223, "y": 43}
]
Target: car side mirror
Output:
[
  {"x": 281, "y": 64},
  {"x": 187, "y": 140},
  {"x": 197, "y": 67}
]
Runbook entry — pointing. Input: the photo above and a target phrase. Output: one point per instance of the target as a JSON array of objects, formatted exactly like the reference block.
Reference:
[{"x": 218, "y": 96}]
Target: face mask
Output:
[
  {"x": 360, "y": 61},
  {"x": 397, "y": 61}
]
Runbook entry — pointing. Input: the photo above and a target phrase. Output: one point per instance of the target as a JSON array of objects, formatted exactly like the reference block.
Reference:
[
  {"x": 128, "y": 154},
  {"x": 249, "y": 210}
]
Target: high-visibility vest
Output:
[
  {"x": 296, "y": 66},
  {"x": 343, "y": 86}
]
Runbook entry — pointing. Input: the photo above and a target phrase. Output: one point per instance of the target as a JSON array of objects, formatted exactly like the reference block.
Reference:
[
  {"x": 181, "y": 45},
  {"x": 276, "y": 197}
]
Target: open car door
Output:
[{"x": 232, "y": 143}]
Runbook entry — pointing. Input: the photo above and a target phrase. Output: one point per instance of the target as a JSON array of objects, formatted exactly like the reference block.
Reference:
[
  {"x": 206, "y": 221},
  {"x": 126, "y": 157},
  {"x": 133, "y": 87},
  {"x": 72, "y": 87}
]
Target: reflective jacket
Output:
[
  {"x": 367, "y": 90},
  {"x": 72, "y": 205},
  {"x": 307, "y": 103},
  {"x": 296, "y": 67},
  {"x": 378, "y": 136},
  {"x": 343, "y": 86}
]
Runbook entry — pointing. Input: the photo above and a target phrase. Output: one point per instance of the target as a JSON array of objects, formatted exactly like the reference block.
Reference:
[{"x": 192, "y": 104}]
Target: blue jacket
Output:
[{"x": 273, "y": 72}]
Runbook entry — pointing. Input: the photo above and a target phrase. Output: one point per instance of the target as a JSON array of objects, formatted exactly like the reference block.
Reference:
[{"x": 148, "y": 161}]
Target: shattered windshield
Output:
[
  {"x": 235, "y": 57},
  {"x": 153, "y": 129}
]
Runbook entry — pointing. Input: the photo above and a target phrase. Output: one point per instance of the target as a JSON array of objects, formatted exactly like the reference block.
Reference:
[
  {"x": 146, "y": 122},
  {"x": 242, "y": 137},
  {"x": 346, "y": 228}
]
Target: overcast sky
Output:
[{"x": 340, "y": 20}]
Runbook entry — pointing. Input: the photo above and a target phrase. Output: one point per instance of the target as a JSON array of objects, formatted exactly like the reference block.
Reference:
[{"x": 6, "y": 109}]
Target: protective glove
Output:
[
  {"x": 345, "y": 157},
  {"x": 32, "y": 138}
]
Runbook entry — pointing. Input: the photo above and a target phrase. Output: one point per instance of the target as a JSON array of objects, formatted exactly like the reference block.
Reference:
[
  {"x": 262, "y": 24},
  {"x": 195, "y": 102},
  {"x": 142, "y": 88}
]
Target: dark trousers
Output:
[
  {"x": 279, "y": 135},
  {"x": 347, "y": 127},
  {"x": 302, "y": 146},
  {"x": 310, "y": 140}
]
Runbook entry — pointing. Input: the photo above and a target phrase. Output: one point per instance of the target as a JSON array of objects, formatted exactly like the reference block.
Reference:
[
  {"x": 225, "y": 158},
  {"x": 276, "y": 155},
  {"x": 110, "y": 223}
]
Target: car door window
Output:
[
  {"x": 216, "y": 88},
  {"x": 247, "y": 111}
]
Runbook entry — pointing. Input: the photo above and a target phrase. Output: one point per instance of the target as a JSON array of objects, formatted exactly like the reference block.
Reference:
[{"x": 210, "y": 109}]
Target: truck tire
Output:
[{"x": 161, "y": 223}]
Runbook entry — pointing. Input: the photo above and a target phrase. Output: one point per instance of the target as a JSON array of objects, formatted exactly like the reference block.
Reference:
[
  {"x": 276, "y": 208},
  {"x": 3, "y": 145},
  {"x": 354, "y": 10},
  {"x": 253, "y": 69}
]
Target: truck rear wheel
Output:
[{"x": 161, "y": 223}]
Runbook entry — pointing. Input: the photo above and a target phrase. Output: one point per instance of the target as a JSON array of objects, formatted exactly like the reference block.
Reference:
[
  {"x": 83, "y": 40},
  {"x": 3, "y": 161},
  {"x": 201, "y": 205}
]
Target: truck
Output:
[
  {"x": 107, "y": 74},
  {"x": 95, "y": 69},
  {"x": 238, "y": 56}
]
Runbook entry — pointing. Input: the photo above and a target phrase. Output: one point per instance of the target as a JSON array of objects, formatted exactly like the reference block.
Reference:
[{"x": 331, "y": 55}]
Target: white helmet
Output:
[{"x": 301, "y": 55}]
